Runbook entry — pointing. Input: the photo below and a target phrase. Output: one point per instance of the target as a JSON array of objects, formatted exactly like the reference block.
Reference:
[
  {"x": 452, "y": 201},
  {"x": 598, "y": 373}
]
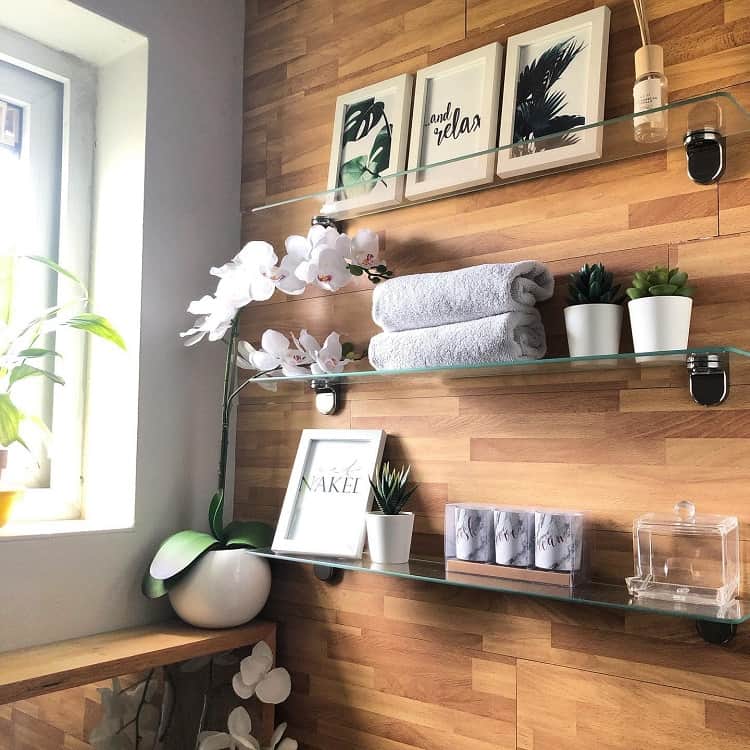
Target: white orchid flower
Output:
[
  {"x": 325, "y": 262},
  {"x": 328, "y": 359},
  {"x": 239, "y": 725},
  {"x": 365, "y": 249},
  {"x": 215, "y": 319},
  {"x": 251, "y": 275},
  {"x": 257, "y": 677},
  {"x": 277, "y": 743}
]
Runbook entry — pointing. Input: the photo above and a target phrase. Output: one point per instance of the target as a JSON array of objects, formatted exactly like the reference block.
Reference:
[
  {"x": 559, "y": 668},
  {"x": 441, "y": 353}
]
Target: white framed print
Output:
[
  {"x": 370, "y": 135},
  {"x": 329, "y": 493},
  {"x": 455, "y": 114},
  {"x": 555, "y": 78}
]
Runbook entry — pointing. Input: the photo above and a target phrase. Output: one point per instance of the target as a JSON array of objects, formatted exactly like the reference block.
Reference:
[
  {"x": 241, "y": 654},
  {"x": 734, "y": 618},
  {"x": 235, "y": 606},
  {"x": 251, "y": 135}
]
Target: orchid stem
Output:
[{"x": 229, "y": 371}]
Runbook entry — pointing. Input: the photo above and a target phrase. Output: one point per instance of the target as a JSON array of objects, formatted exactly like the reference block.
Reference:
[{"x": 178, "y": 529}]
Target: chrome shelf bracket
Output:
[{"x": 709, "y": 378}]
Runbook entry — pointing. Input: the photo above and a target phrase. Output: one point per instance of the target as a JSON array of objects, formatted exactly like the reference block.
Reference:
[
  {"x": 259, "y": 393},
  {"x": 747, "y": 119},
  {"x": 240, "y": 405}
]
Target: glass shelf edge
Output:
[
  {"x": 530, "y": 366},
  {"x": 607, "y": 123},
  {"x": 576, "y": 596}
]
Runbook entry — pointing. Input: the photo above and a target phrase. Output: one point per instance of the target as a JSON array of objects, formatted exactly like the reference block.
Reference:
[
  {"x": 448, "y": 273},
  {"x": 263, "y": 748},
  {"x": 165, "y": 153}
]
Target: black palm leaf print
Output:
[{"x": 538, "y": 108}]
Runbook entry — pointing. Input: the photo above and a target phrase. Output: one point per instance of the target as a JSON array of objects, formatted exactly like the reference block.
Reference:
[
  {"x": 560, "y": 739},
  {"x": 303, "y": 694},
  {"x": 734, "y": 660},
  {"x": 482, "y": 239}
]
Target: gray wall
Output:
[{"x": 67, "y": 586}]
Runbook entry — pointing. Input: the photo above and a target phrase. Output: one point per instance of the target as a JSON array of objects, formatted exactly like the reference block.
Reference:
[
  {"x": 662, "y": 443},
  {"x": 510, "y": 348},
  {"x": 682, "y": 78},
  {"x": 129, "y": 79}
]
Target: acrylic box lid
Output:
[{"x": 684, "y": 520}]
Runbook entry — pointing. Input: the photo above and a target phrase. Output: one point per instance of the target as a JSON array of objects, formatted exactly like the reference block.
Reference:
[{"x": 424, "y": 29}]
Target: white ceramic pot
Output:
[
  {"x": 660, "y": 323},
  {"x": 226, "y": 587},
  {"x": 389, "y": 537},
  {"x": 593, "y": 329}
]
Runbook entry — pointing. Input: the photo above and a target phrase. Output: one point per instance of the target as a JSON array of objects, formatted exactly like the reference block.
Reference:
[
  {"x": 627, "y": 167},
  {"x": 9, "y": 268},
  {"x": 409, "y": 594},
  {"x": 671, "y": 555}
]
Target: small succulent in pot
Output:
[
  {"x": 389, "y": 531},
  {"x": 593, "y": 285},
  {"x": 660, "y": 281},
  {"x": 390, "y": 489},
  {"x": 660, "y": 308},
  {"x": 593, "y": 319}
]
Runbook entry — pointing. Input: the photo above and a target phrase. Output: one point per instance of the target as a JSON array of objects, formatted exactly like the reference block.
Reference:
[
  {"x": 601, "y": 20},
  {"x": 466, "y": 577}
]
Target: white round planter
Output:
[
  {"x": 226, "y": 587},
  {"x": 593, "y": 329},
  {"x": 389, "y": 537},
  {"x": 660, "y": 323}
]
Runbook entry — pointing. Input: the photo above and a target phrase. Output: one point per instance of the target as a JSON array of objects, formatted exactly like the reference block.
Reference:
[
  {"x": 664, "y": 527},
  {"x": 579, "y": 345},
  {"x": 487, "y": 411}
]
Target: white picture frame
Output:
[
  {"x": 582, "y": 86},
  {"x": 351, "y": 143},
  {"x": 329, "y": 493},
  {"x": 455, "y": 113}
]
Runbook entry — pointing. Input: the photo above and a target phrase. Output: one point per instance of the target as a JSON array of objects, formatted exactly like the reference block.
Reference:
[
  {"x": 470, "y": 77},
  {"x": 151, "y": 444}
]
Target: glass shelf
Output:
[
  {"x": 593, "y": 594},
  {"x": 719, "y": 110},
  {"x": 619, "y": 365}
]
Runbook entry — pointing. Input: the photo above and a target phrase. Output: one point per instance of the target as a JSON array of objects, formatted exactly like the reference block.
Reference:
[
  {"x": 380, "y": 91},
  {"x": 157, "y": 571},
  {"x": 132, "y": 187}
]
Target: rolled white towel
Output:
[
  {"x": 432, "y": 299},
  {"x": 500, "y": 338}
]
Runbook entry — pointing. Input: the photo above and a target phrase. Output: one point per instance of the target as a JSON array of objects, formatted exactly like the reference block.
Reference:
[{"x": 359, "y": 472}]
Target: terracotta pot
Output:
[{"x": 225, "y": 588}]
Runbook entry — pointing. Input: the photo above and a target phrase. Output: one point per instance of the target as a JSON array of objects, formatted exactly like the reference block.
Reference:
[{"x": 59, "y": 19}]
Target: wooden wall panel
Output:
[{"x": 388, "y": 664}]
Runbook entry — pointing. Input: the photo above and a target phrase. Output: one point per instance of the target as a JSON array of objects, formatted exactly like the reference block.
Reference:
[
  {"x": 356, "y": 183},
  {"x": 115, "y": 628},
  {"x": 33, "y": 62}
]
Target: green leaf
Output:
[
  {"x": 356, "y": 178},
  {"x": 96, "y": 325},
  {"x": 179, "y": 552},
  {"x": 19, "y": 372},
  {"x": 361, "y": 118},
  {"x": 678, "y": 278},
  {"x": 33, "y": 353},
  {"x": 355, "y": 270},
  {"x": 153, "y": 588},
  {"x": 253, "y": 534},
  {"x": 380, "y": 153},
  {"x": 10, "y": 421},
  {"x": 634, "y": 293},
  {"x": 685, "y": 291},
  {"x": 216, "y": 515},
  {"x": 58, "y": 269},
  {"x": 662, "y": 290}
]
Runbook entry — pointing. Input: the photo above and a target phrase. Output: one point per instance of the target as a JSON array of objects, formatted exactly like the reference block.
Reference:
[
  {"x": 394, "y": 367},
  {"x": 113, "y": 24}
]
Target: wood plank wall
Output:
[{"x": 383, "y": 664}]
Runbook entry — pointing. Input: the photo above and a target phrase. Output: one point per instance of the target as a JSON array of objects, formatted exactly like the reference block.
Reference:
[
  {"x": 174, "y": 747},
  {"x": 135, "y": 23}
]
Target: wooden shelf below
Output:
[{"x": 44, "y": 669}]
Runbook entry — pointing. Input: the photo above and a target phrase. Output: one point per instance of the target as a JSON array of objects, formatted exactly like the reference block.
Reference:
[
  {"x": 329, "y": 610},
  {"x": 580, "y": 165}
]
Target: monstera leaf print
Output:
[
  {"x": 538, "y": 108},
  {"x": 358, "y": 176},
  {"x": 361, "y": 118}
]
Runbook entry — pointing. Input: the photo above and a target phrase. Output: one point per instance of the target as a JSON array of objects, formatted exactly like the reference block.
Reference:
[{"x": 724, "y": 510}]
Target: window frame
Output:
[{"x": 64, "y": 499}]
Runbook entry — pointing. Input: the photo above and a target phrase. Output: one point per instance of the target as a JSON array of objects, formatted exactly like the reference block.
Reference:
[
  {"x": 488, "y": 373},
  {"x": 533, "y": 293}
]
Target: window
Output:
[{"x": 46, "y": 156}]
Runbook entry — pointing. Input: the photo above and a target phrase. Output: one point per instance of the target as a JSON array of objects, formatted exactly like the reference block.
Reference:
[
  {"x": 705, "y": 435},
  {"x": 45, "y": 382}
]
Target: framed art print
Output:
[
  {"x": 554, "y": 80},
  {"x": 370, "y": 135},
  {"x": 329, "y": 493},
  {"x": 455, "y": 114}
]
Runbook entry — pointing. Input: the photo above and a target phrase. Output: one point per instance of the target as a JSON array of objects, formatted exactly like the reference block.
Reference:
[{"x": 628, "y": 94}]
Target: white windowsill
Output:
[{"x": 29, "y": 530}]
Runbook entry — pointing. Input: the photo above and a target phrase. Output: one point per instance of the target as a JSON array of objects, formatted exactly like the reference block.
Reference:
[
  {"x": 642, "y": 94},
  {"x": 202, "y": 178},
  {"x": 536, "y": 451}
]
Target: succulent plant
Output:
[
  {"x": 660, "y": 281},
  {"x": 390, "y": 490},
  {"x": 593, "y": 285}
]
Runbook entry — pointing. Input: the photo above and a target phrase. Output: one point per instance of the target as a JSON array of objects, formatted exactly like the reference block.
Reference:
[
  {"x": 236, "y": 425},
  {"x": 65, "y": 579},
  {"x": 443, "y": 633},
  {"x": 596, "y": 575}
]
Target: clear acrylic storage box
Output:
[{"x": 686, "y": 557}]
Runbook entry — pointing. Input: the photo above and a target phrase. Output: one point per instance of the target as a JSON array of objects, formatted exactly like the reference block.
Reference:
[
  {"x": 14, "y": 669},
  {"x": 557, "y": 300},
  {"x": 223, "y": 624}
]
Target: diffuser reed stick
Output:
[{"x": 642, "y": 16}]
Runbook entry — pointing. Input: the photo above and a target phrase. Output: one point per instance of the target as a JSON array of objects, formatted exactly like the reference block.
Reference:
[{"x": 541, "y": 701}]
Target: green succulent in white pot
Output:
[
  {"x": 211, "y": 577},
  {"x": 660, "y": 309},
  {"x": 27, "y": 352}
]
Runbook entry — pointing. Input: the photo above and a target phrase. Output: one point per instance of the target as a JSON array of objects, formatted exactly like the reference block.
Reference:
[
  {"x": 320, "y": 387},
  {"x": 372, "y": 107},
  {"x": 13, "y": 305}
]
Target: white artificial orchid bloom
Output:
[
  {"x": 328, "y": 359},
  {"x": 251, "y": 275},
  {"x": 245, "y": 354},
  {"x": 279, "y": 742},
  {"x": 325, "y": 264},
  {"x": 239, "y": 725},
  {"x": 215, "y": 319},
  {"x": 257, "y": 677},
  {"x": 364, "y": 249}
]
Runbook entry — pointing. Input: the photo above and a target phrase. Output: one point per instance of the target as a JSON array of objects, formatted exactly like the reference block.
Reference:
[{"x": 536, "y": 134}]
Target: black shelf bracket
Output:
[
  {"x": 709, "y": 378},
  {"x": 327, "y": 395},
  {"x": 327, "y": 574},
  {"x": 717, "y": 633}
]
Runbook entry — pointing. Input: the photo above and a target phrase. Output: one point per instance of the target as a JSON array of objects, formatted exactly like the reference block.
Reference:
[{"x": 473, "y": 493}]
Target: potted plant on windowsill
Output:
[
  {"x": 660, "y": 308},
  {"x": 593, "y": 318},
  {"x": 389, "y": 529},
  {"x": 25, "y": 353}
]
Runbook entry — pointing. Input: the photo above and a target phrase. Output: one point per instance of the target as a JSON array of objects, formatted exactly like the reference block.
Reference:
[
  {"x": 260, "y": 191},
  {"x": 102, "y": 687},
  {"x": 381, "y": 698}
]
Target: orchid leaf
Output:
[
  {"x": 19, "y": 372},
  {"x": 97, "y": 326},
  {"x": 216, "y": 515},
  {"x": 58, "y": 269},
  {"x": 153, "y": 588},
  {"x": 253, "y": 534},
  {"x": 180, "y": 551}
]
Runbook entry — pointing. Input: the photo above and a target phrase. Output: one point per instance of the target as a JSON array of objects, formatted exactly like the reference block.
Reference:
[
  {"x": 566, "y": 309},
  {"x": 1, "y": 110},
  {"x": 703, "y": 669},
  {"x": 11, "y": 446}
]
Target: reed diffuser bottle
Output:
[{"x": 650, "y": 89}]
